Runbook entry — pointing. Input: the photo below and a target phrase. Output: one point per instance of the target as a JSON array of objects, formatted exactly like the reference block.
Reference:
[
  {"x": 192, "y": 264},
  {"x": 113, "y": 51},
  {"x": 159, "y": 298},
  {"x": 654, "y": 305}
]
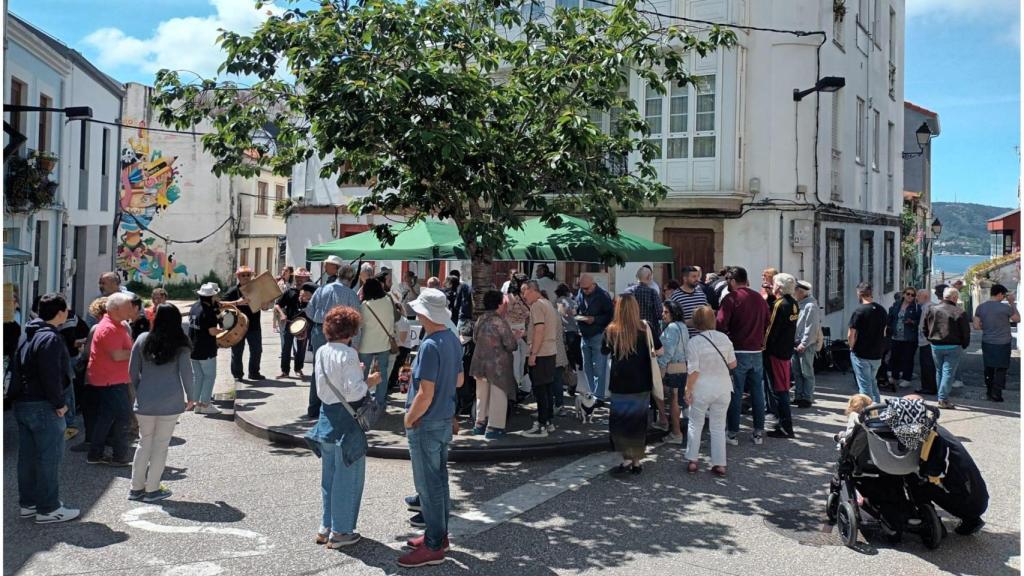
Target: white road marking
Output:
[
  {"x": 195, "y": 569},
  {"x": 134, "y": 518},
  {"x": 503, "y": 508}
]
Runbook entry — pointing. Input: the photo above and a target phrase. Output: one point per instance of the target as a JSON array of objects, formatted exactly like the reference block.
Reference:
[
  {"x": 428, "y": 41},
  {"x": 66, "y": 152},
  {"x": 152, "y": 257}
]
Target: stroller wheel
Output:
[
  {"x": 931, "y": 527},
  {"x": 832, "y": 507},
  {"x": 847, "y": 520}
]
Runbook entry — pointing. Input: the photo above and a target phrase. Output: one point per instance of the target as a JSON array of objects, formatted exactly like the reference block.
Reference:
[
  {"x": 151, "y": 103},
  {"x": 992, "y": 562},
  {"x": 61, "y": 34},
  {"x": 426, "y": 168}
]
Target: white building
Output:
[
  {"x": 71, "y": 243},
  {"x": 757, "y": 179},
  {"x": 172, "y": 199},
  {"x": 261, "y": 231}
]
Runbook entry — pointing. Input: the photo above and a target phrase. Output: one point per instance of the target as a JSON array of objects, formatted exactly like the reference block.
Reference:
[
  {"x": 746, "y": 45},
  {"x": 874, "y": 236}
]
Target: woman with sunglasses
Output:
[{"x": 904, "y": 324}]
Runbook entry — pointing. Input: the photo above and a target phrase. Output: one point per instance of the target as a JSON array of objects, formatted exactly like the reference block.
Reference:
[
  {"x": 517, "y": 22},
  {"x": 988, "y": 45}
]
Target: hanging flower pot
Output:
[{"x": 45, "y": 161}]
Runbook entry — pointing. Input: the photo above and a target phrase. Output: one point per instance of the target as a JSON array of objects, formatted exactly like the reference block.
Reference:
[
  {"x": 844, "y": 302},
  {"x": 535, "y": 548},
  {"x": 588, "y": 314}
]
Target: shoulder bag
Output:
[
  {"x": 657, "y": 388},
  {"x": 391, "y": 339},
  {"x": 720, "y": 355},
  {"x": 369, "y": 411}
]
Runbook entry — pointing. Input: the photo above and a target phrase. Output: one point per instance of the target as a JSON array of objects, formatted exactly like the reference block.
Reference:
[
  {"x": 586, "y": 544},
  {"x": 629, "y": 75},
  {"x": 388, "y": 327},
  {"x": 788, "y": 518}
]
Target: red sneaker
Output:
[
  {"x": 418, "y": 541},
  {"x": 421, "y": 556}
]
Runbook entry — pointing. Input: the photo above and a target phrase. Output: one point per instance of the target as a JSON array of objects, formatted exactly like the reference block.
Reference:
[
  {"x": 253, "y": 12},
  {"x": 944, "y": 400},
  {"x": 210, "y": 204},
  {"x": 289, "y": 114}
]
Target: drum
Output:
[
  {"x": 236, "y": 325},
  {"x": 299, "y": 327},
  {"x": 262, "y": 291}
]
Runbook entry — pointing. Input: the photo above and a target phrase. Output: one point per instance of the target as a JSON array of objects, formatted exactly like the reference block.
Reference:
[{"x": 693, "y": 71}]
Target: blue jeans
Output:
[
  {"x": 316, "y": 340},
  {"x": 946, "y": 364},
  {"x": 864, "y": 371},
  {"x": 40, "y": 450},
  {"x": 255, "y": 339},
  {"x": 428, "y": 452},
  {"x": 749, "y": 373},
  {"x": 112, "y": 422},
  {"x": 595, "y": 364},
  {"x": 341, "y": 487},
  {"x": 803, "y": 372},
  {"x": 291, "y": 348},
  {"x": 380, "y": 392},
  {"x": 204, "y": 375}
]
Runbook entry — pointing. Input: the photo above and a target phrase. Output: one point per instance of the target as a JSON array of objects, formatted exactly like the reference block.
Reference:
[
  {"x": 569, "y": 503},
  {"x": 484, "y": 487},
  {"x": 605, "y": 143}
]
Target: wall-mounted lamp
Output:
[
  {"x": 924, "y": 136},
  {"x": 826, "y": 84}
]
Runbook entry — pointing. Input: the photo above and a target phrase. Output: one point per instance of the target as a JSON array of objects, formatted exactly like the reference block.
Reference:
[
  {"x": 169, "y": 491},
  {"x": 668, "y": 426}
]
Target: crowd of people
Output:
[{"x": 688, "y": 353}]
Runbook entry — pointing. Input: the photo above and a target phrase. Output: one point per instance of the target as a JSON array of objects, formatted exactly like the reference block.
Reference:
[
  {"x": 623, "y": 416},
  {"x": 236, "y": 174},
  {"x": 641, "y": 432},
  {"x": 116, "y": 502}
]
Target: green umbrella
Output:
[
  {"x": 426, "y": 240},
  {"x": 576, "y": 241}
]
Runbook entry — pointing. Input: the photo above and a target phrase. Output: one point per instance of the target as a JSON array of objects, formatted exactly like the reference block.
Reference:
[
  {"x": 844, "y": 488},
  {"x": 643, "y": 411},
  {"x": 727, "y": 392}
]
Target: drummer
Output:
[
  {"x": 290, "y": 306},
  {"x": 332, "y": 265},
  {"x": 254, "y": 335},
  {"x": 324, "y": 299},
  {"x": 203, "y": 331}
]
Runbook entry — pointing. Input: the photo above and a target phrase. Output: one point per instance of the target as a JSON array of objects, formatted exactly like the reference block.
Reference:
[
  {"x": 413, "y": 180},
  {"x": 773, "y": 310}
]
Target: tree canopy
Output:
[{"x": 480, "y": 111}]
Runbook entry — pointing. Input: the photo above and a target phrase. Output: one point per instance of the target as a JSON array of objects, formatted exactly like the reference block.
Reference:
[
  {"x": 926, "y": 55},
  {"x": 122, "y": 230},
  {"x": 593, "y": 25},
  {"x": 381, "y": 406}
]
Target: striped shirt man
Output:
[{"x": 689, "y": 301}]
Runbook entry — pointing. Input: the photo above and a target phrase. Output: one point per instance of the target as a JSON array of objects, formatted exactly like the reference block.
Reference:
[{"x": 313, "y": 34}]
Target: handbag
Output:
[
  {"x": 368, "y": 413},
  {"x": 657, "y": 387},
  {"x": 391, "y": 339}
]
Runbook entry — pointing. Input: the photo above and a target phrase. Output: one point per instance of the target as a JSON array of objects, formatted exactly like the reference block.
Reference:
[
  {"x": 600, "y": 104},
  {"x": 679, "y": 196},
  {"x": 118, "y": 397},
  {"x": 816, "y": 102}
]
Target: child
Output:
[{"x": 854, "y": 407}]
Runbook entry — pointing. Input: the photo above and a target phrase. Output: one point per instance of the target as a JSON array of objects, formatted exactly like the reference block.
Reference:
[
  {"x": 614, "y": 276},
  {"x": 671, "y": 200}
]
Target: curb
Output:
[{"x": 455, "y": 454}]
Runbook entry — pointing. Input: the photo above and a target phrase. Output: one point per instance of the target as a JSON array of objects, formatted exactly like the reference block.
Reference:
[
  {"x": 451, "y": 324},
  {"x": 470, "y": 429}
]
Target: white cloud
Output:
[{"x": 185, "y": 43}]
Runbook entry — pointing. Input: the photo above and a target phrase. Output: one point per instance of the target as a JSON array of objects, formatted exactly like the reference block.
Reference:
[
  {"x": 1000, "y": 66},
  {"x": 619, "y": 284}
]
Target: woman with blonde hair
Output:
[
  {"x": 630, "y": 381},
  {"x": 709, "y": 359}
]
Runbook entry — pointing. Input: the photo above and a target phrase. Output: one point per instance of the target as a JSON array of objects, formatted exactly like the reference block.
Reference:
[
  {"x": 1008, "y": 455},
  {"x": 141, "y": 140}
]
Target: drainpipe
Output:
[{"x": 781, "y": 240}]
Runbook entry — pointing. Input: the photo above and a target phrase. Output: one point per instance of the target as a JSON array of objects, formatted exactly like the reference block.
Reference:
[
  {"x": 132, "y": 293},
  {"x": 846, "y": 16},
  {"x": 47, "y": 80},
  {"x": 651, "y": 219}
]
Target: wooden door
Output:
[{"x": 691, "y": 247}]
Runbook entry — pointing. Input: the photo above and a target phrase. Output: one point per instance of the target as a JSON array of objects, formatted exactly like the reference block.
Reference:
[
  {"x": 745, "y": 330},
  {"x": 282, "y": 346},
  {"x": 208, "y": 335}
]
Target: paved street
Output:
[{"x": 243, "y": 506}]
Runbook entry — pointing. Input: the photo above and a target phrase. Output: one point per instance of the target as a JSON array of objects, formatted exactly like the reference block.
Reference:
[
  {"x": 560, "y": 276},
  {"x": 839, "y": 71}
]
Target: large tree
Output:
[{"x": 475, "y": 110}]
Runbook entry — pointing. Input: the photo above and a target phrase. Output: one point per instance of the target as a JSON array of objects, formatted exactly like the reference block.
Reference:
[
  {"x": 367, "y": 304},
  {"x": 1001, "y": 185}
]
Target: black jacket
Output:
[
  {"x": 947, "y": 323},
  {"x": 952, "y": 479},
  {"x": 781, "y": 334},
  {"x": 41, "y": 368}
]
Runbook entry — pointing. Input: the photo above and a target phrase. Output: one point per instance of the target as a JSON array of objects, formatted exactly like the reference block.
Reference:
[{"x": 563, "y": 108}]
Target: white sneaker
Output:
[
  {"x": 27, "y": 512},
  {"x": 675, "y": 438},
  {"x": 536, "y": 432},
  {"x": 958, "y": 384},
  {"x": 550, "y": 428},
  {"x": 732, "y": 440},
  {"x": 61, "y": 514},
  {"x": 209, "y": 409},
  {"x": 758, "y": 438}
]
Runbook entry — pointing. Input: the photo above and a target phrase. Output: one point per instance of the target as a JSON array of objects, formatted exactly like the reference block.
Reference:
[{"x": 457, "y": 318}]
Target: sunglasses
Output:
[{"x": 909, "y": 294}]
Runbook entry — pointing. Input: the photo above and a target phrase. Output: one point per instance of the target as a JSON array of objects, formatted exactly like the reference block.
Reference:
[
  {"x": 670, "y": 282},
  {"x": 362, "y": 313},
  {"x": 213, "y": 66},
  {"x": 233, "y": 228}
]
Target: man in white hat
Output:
[
  {"x": 253, "y": 336},
  {"x": 203, "y": 330},
  {"x": 332, "y": 265},
  {"x": 430, "y": 408},
  {"x": 327, "y": 297},
  {"x": 807, "y": 328}
]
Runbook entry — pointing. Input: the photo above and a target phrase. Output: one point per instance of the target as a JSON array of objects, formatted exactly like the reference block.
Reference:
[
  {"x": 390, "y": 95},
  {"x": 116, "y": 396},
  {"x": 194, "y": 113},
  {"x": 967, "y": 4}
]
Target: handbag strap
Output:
[
  {"x": 341, "y": 397},
  {"x": 650, "y": 339},
  {"x": 702, "y": 335},
  {"x": 386, "y": 331}
]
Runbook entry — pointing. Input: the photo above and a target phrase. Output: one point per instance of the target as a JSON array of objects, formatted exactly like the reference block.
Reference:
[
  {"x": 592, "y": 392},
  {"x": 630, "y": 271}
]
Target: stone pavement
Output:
[{"x": 243, "y": 506}]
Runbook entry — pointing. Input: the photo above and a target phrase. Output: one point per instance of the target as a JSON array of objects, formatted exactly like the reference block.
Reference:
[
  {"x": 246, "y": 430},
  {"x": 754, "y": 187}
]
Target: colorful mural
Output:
[{"x": 149, "y": 184}]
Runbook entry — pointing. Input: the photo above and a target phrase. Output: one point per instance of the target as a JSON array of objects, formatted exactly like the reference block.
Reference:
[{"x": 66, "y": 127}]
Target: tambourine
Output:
[
  {"x": 235, "y": 323},
  {"x": 299, "y": 327}
]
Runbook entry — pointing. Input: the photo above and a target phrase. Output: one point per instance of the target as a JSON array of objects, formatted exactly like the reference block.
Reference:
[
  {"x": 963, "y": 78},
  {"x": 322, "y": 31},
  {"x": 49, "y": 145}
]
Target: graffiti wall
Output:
[{"x": 149, "y": 185}]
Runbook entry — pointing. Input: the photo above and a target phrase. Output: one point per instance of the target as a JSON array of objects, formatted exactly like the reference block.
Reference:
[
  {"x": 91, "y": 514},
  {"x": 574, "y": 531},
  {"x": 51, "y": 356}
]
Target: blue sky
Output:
[{"x": 962, "y": 61}]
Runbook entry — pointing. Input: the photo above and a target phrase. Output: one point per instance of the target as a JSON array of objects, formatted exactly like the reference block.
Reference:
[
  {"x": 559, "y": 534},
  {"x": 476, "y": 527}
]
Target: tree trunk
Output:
[{"x": 482, "y": 274}]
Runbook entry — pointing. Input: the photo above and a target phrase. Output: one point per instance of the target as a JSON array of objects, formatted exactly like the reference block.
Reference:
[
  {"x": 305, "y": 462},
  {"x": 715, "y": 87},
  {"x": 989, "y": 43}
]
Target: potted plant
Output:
[
  {"x": 46, "y": 161},
  {"x": 27, "y": 185}
]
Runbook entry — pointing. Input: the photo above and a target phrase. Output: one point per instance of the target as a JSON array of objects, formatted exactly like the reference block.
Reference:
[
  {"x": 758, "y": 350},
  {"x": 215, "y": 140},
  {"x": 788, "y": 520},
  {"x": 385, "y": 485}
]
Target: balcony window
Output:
[
  {"x": 671, "y": 133},
  {"x": 835, "y": 250},
  {"x": 261, "y": 200}
]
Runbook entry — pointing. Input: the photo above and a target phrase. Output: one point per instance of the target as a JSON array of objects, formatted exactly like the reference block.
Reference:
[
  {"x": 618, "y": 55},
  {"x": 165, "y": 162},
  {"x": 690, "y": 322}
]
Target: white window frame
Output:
[
  {"x": 664, "y": 134},
  {"x": 837, "y": 29},
  {"x": 861, "y": 135},
  {"x": 863, "y": 16},
  {"x": 892, "y": 35},
  {"x": 876, "y": 24}
]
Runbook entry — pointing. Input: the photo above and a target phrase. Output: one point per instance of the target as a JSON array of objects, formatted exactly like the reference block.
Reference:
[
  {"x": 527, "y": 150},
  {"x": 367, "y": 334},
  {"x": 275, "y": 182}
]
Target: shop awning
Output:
[
  {"x": 576, "y": 241},
  {"x": 16, "y": 256},
  {"x": 426, "y": 240}
]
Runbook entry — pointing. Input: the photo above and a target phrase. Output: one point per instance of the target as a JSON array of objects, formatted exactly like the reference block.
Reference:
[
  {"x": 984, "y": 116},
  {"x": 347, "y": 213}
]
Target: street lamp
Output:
[
  {"x": 16, "y": 139},
  {"x": 826, "y": 84},
  {"x": 936, "y": 228},
  {"x": 924, "y": 136}
]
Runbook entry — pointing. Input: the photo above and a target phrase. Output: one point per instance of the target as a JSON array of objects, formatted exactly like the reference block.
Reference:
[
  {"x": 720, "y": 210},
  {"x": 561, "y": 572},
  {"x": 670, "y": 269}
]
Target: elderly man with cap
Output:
[
  {"x": 203, "y": 330},
  {"x": 291, "y": 305},
  {"x": 807, "y": 327},
  {"x": 253, "y": 336},
  {"x": 326, "y": 297},
  {"x": 430, "y": 408}
]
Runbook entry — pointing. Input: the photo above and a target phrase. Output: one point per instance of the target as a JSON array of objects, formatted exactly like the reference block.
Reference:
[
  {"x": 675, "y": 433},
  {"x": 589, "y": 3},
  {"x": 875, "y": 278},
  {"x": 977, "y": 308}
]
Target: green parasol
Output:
[
  {"x": 426, "y": 240},
  {"x": 576, "y": 241}
]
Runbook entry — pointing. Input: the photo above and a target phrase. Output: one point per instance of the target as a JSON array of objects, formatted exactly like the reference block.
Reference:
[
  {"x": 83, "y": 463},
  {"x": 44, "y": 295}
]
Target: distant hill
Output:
[{"x": 963, "y": 226}]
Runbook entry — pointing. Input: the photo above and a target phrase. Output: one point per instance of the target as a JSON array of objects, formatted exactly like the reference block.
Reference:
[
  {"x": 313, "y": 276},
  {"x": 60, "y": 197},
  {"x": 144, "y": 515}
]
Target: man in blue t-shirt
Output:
[{"x": 430, "y": 410}]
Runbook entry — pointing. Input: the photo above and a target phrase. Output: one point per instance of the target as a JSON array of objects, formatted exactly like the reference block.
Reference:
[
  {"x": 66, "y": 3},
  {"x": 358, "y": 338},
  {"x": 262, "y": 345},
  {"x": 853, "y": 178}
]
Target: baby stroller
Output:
[{"x": 876, "y": 465}]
